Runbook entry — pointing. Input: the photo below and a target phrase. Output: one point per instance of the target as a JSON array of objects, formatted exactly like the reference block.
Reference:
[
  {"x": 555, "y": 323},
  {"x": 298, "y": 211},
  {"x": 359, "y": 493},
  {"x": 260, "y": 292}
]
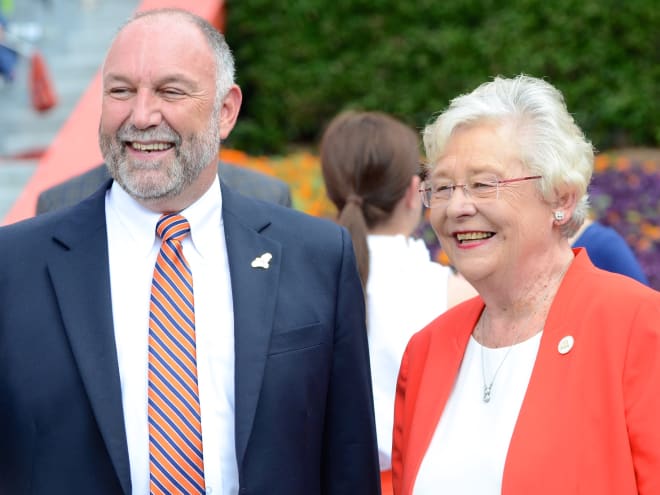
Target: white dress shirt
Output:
[
  {"x": 405, "y": 292},
  {"x": 133, "y": 247}
]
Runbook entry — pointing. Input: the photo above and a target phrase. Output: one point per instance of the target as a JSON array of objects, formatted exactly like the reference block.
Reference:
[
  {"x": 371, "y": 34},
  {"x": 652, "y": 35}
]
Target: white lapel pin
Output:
[
  {"x": 566, "y": 344},
  {"x": 262, "y": 261}
]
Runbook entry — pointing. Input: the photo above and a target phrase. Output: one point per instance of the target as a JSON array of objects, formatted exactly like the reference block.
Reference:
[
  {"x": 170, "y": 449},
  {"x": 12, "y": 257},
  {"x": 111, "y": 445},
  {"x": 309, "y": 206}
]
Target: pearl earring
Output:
[{"x": 559, "y": 216}]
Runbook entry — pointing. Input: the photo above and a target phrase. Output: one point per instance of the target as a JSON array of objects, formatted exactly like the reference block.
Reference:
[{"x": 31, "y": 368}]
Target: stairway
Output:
[{"x": 73, "y": 36}]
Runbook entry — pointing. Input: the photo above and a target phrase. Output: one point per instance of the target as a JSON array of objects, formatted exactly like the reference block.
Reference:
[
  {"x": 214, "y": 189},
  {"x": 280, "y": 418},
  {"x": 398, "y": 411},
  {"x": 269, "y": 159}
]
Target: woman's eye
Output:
[{"x": 484, "y": 184}]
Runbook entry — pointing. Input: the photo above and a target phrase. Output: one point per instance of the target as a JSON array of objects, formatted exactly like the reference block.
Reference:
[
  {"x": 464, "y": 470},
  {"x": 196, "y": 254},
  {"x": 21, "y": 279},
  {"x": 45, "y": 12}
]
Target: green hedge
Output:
[{"x": 299, "y": 62}]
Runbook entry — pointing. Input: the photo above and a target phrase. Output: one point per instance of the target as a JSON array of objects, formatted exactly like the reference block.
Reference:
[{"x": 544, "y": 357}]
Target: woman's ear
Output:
[{"x": 564, "y": 206}]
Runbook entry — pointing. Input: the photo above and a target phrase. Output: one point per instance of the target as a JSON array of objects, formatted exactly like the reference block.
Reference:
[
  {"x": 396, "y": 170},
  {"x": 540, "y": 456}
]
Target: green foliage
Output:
[{"x": 300, "y": 62}]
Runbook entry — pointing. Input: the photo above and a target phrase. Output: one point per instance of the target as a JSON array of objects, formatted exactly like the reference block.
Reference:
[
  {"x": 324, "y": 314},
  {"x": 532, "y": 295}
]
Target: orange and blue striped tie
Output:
[{"x": 176, "y": 464}]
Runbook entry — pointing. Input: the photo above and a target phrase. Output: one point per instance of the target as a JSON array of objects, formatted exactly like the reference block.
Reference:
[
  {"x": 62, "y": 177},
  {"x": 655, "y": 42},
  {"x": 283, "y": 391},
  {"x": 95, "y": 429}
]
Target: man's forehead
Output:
[
  {"x": 158, "y": 27},
  {"x": 158, "y": 37}
]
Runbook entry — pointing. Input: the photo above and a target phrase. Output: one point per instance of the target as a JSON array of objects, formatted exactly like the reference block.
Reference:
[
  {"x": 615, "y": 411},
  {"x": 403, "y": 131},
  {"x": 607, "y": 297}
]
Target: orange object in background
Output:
[
  {"x": 42, "y": 91},
  {"x": 75, "y": 147}
]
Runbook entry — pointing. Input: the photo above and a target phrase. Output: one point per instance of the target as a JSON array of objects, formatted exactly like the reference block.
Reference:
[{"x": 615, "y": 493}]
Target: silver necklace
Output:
[{"x": 489, "y": 386}]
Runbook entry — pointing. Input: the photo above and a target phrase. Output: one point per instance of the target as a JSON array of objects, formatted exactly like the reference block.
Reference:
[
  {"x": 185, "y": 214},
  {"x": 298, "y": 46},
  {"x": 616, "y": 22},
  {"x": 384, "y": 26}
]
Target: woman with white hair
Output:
[{"x": 547, "y": 383}]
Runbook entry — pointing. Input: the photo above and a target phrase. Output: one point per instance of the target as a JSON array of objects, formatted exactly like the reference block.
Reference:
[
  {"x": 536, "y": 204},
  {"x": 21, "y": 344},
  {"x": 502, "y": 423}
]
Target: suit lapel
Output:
[
  {"x": 78, "y": 267},
  {"x": 254, "y": 292}
]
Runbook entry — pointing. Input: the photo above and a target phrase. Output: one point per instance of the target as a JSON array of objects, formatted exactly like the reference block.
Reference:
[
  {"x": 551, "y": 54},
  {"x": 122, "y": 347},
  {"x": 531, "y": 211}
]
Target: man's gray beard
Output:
[{"x": 190, "y": 158}]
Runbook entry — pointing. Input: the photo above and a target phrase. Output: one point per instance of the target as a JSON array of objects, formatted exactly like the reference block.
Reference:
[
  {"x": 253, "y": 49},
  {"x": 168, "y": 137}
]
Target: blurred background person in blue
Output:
[
  {"x": 8, "y": 54},
  {"x": 607, "y": 249}
]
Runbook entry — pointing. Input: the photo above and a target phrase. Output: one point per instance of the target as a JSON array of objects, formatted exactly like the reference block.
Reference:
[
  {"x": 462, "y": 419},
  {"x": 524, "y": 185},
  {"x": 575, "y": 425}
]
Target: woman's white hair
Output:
[{"x": 549, "y": 141}]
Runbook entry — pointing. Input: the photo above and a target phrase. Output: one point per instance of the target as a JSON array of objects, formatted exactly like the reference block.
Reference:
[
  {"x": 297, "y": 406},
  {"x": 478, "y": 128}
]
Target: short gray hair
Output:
[
  {"x": 549, "y": 141},
  {"x": 224, "y": 60}
]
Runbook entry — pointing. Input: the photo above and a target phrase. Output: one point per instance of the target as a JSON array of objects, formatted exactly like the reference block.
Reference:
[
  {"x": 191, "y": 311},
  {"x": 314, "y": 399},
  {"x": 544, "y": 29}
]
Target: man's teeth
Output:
[
  {"x": 151, "y": 146},
  {"x": 473, "y": 236}
]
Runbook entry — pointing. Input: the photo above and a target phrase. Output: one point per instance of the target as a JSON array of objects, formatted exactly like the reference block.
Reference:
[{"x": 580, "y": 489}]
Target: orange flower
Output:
[
  {"x": 651, "y": 166},
  {"x": 650, "y": 231},
  {"x": 602, "y": 162},
  {"x": 234, "y": 156},
  {"x": 622, "y": 163}
]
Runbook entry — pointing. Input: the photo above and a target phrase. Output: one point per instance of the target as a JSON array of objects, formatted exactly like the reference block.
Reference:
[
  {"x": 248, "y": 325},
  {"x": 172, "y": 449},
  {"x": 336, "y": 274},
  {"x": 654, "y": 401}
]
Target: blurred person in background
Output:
[
  {"x": 8, "y": 55},
  {"x": 547, "y": 383},
  {"x": 370, "y": 165},
  {"x": 607, "y": 249}
]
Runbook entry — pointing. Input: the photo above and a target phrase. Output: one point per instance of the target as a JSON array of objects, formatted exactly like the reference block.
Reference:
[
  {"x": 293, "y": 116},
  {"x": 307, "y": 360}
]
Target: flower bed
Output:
[
  {"x": 625, "y": 193},
  {"x": 300, "y": 170}
]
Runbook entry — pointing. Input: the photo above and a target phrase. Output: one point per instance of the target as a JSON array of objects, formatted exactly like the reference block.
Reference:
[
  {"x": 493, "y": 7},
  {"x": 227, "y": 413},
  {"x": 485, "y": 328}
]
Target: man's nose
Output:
[{"x": 146, "y": 110}]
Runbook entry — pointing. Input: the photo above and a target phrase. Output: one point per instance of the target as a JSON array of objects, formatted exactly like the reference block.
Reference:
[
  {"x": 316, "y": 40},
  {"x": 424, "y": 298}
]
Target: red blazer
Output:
[{"x": 590, "y": 420}]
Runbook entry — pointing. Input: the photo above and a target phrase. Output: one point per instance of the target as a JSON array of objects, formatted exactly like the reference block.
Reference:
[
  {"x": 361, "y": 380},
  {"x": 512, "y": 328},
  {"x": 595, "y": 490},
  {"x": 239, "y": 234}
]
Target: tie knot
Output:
[{"x": 172, "y": 226}]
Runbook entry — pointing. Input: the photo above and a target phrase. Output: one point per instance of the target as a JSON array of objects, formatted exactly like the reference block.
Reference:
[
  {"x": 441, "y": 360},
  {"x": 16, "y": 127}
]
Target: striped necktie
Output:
[{"x": 176, "y": 464}]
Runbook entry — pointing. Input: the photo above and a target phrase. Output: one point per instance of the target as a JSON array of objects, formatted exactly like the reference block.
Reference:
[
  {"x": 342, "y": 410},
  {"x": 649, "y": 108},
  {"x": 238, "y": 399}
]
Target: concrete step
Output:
[
  {"x": 14, "y": 174},
  {"x": 73, "y": 37}
]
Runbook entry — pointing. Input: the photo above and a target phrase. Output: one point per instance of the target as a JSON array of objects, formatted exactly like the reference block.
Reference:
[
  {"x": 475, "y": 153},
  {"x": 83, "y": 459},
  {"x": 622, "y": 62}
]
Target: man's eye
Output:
[
  {"x": 118, "y": 91},
  {"x": 172, "y": 92},
  {"x": 443, "y": 188}
]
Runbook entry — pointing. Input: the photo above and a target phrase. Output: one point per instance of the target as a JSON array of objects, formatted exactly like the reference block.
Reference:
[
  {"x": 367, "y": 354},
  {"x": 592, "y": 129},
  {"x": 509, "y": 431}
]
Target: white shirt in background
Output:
[{"x": 405, "y": 292}]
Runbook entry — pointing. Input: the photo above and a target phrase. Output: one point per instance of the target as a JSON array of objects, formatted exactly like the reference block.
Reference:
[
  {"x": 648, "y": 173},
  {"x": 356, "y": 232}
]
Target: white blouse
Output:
[{"x": 471, "y": 441}]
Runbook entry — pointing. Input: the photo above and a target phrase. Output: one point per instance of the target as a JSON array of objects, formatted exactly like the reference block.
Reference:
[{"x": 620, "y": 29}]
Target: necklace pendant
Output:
[{"x": 486, "y": 397}]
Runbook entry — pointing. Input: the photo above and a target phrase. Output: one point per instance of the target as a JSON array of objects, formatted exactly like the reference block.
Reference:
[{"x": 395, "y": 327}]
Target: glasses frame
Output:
[{"x": 425, "y": 190}]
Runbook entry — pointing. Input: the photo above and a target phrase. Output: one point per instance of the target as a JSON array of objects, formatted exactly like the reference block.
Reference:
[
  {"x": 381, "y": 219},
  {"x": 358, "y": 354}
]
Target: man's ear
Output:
[{"x": 231, "y": 105}]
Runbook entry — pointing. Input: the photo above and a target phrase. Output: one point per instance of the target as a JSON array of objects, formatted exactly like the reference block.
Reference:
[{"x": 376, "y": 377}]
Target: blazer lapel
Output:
[
  {"x": 445, "y": 354},
  {"x": 545, "y": 416},
  {"x": 79, "y": 271},
  {"x": 254, "y": 290}
]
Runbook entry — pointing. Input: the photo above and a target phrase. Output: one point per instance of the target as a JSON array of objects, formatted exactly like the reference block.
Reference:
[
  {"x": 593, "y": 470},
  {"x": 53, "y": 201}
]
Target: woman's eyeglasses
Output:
[{"x": 437, "y": 193}]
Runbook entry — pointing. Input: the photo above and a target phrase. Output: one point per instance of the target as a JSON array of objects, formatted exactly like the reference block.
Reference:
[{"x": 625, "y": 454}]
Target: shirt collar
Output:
[
  {"x": 139, "y": 223},
  {"x": 205, "y": 218}
]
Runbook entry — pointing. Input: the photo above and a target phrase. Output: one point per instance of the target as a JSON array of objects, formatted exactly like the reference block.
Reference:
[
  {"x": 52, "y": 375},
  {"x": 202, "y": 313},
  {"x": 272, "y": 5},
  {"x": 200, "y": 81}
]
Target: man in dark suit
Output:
[
  {"x": 243, "y": 180},
  {"x": 111, "y": 383}
]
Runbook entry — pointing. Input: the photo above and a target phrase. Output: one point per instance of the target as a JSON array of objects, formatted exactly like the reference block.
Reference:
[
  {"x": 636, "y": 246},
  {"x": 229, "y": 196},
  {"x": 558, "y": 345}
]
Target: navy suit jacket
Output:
[{"x": 303, "y": 405}]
